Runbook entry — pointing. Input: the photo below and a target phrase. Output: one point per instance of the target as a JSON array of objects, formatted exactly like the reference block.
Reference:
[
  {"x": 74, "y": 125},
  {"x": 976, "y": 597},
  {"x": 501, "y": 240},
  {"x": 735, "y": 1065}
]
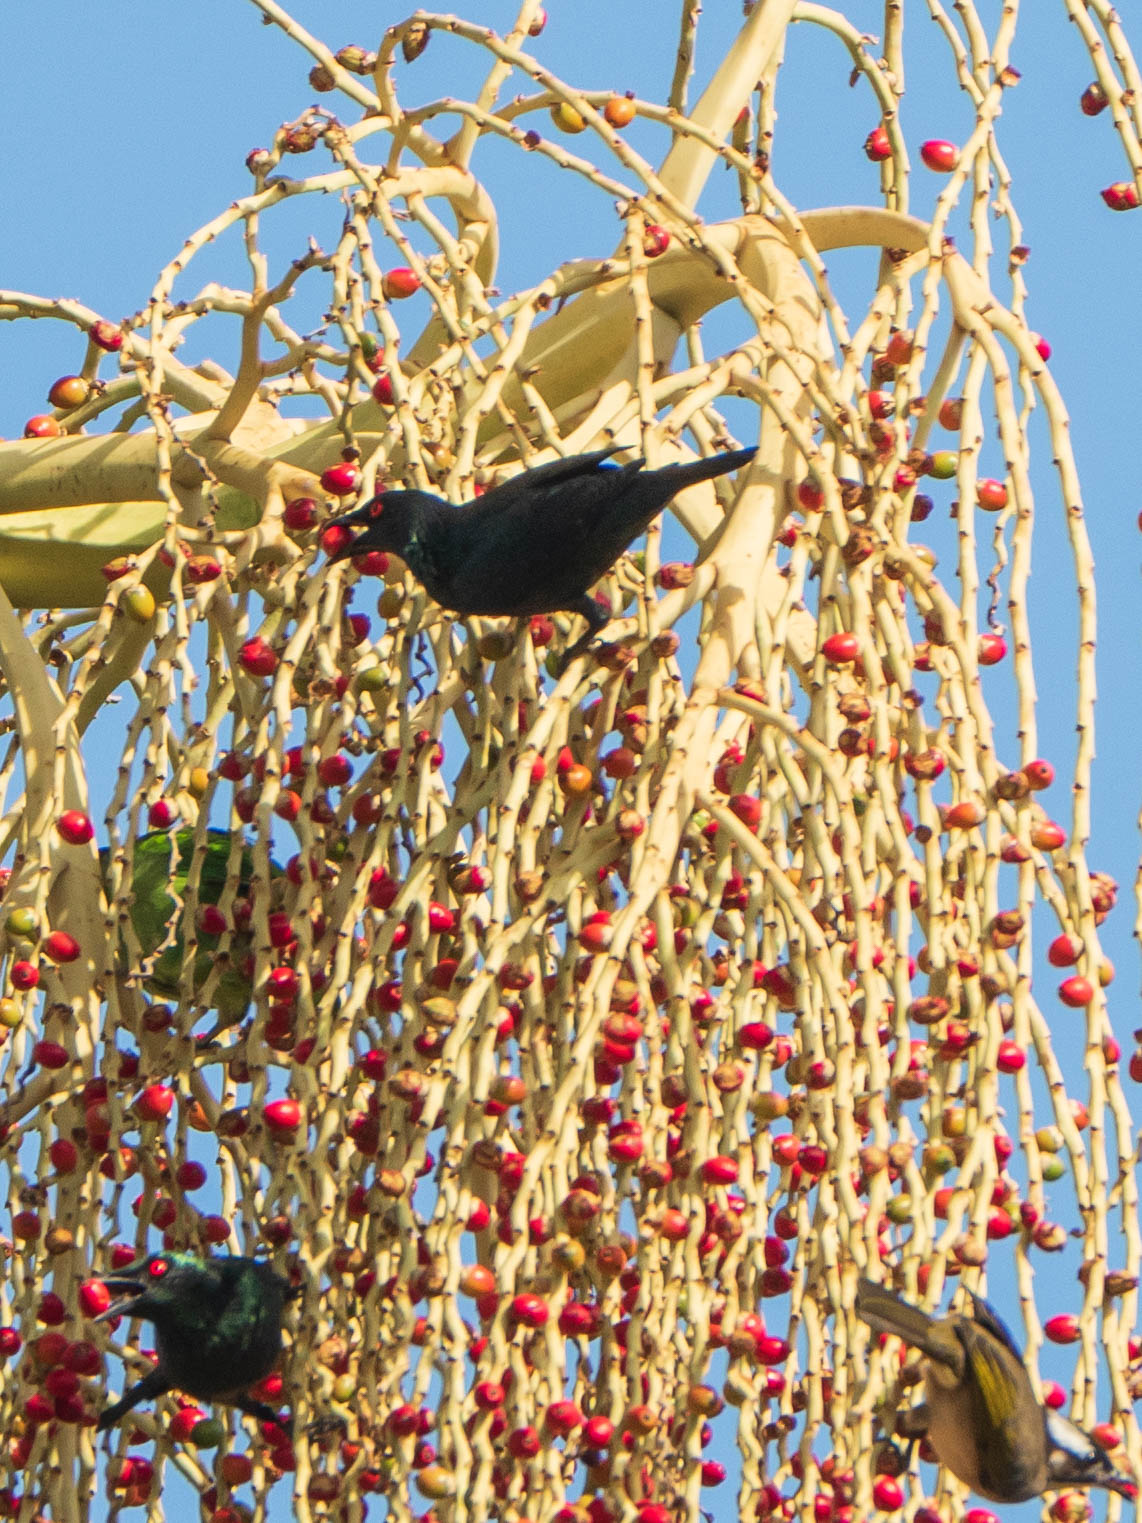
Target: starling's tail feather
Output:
[
  {"x": 692, "y": 471},
  {"x": 886, "y": 1312}
]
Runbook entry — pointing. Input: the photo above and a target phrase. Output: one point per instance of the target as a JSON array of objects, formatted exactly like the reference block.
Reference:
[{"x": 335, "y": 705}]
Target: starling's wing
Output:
[
  {"x": 533, "y": 546},
  {"x": 887, "y": 1312},
  {"x": 538, "y": 542},
  {"x": 566, "y": 468}
]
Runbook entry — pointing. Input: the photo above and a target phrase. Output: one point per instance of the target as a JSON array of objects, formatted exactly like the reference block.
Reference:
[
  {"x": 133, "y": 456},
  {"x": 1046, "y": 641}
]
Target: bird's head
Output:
[
  {"x": 1076, "y": 1460},
  {"x": 386, "y": 522},
  {"x": 151, "y": 1286}
]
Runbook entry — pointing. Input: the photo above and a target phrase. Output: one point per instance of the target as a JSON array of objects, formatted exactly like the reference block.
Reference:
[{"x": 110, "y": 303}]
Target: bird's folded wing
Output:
[{"x": 566, "y": 468}]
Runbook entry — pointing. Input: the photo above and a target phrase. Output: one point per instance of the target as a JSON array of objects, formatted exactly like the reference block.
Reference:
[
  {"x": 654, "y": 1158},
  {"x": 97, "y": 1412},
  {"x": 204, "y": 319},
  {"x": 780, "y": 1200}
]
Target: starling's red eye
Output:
[
  {"x": 377, "y": 508},
  {"x": 158, "y": 1269}
]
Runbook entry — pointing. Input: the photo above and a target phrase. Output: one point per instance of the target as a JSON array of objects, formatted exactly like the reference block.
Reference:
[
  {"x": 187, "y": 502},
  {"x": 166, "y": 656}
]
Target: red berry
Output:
[
  {"x": 1064, "y": 951},
  {"x": 841, "y": 648},
  {"x": 209, "y": 920},
  {"x": 50, "y": 1054},
  {"x": 74, "y": 826},
  {"x": 876, "y": 145},
  {"x": 64, "y": 1154},
  {"x": 191, "y": 1175},
  {"x": 26, "y": 1225},
  {"x": 399, "y": 283},
  {"x": 1122, "y": 196},
  {"x": 1063, "y": 1328},
  {"x": 106, "y": 336},
  {"x": 719, "y": 1170},
  {"x": 51, "y": 1310},
  {"x": 334, "y": 771},
  {"x": 991, "y": 649},
  {"x": 1010, "y": 1057},
  {"x": 899, "y": 347},
  {"x": 881, "y": 404},
  {"x": 530, "y": 1310},
  {"x": 42, "y": 426},
  {"x": 184, "y": 1422},
  {"x": 655, "y": 240},
  {"x": 341, "y": 480},
  {"x": 940, "y": 155},
  {"x": 1076, "y": 991},
  {"x": 991, "y": 495},
  {"x": 887, "y": 1494},
  {"x": 94, "y": 1297},
  {"x": 233, "y": 767},
  {"x": 441, "y": 919},
  {"x": 1093, "y": 99},
  {"x": 60, "y": 947},
  {"x": 771, "y": 1349},
  {"x": 24, "y": 975},
  {"x": 810, "y": 496},
  {"x": 257, "y": 658},
  {"x": 282, "y": 1115},
  {"x": 335, "y": 537},
  {"x": 155, "y": 1102},
  {"x": 282, "y": 984},
  {"x": 562, "y": 1417},
  {"x": 236, "y": 1469},
  {"x": 747, "y": 807},
  {"x": 523, "y": 1443},
  {"x": 300, "y": 514}
]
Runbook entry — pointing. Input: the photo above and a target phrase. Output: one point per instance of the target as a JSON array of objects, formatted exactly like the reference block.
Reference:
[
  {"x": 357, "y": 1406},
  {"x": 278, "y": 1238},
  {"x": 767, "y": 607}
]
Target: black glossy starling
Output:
[
  {"x": 981, "y": 1415},
  {"x": 218, "y": 1327},
  {"x": 534, "y": 544}
]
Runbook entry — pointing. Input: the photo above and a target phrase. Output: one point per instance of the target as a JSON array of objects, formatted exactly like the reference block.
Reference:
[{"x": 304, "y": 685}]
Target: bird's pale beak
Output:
[{"x": 128, "y": 1289}]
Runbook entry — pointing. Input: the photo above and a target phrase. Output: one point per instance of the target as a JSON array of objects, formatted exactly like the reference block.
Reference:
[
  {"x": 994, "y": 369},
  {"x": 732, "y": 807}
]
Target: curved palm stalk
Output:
[{"x": 575, "y": 1036}]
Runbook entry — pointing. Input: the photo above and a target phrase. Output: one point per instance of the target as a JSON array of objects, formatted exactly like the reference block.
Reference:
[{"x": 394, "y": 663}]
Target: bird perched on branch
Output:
[
  {"x": 536, "y": 543},
  {"x": 982, "y": 1416},
  {"x": 218, "y": 1327}
]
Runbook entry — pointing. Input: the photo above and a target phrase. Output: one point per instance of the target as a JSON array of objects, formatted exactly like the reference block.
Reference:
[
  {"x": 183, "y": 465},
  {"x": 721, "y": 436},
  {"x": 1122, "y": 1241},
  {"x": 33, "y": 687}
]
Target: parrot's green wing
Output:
[{"x": 161, "y": 868}]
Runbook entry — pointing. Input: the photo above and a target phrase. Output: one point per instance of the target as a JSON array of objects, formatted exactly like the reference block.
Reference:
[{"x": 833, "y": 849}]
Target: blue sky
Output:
[{"x": 128, "y": 124}]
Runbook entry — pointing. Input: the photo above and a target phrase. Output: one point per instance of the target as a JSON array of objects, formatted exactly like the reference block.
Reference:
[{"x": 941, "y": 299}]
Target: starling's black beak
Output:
[
  {"x": 359, "y": 517},
  {"x": 128, "y": 1288}
]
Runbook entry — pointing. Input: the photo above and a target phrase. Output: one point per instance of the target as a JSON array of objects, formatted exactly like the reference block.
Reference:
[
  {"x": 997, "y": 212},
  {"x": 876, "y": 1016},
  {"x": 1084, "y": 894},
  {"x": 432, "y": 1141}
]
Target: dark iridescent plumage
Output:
[
  {"x": 218, "y": 1327},
  {"x": 536, "y": 543}
]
